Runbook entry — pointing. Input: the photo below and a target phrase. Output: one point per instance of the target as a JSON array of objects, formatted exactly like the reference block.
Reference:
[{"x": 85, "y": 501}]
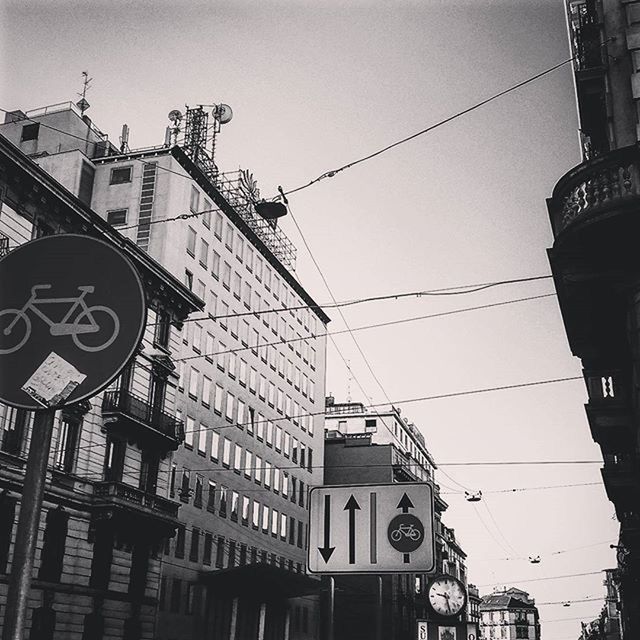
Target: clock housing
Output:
[{"x": 447, "y": 596}]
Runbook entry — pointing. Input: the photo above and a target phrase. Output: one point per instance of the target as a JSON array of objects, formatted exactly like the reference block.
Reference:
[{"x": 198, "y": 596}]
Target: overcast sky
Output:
[{"x": 314, "y": 85}]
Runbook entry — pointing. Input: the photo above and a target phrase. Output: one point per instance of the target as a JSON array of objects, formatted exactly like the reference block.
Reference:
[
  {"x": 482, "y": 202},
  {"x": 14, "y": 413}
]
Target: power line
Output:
[
  {"x": 333, "y": 172},
  {"x": 377, "y": 325},
  {"x": 446, "y": 291},
  {"x": 568, "y": 575}
]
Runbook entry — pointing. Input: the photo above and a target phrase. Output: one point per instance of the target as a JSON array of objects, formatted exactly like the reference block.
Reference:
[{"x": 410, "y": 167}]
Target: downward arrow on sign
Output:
[{"x": 326, "y": 551}]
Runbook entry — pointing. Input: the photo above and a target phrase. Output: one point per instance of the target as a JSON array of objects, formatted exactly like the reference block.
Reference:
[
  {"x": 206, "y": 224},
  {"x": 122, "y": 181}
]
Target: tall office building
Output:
[
  {"x": 250, "y": 373},
  {"x": 594, "y": 258}
]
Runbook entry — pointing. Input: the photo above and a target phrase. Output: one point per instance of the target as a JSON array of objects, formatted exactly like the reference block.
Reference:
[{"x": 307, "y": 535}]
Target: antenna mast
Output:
[{"x": 82, "y": 104}]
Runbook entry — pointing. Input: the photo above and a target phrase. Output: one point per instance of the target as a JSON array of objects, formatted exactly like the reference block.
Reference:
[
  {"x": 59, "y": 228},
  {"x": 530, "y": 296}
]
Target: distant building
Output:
[
  {"x": 474, "y": 603},
  {"x": 593, "y": 213},
  {"x": 107, "y": 514},
  {"x": 250, "y": 371},
  {"x": 607, "y": 625},
  {"x": 363, "y": 446},
  {"x": 509, "y": 614}
]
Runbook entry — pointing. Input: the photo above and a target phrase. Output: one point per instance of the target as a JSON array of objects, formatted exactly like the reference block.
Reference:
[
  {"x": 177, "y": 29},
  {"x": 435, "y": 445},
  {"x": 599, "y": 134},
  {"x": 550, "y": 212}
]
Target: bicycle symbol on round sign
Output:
[
  {"x": 405, "y": 532},
  {"x": 94, "y": 328}
]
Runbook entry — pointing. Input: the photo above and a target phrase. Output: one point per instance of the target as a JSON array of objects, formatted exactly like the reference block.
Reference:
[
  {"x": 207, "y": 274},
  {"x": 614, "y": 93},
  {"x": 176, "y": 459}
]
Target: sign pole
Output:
[
  {"x": 28, "y": 525},
  {"x": 379, "y": 610},
  {"x": 332, "y": 604}
]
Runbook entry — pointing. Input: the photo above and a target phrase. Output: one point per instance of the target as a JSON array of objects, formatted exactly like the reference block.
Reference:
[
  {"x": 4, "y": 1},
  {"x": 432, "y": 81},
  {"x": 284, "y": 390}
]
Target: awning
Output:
[{"x": 260, "y": 581}]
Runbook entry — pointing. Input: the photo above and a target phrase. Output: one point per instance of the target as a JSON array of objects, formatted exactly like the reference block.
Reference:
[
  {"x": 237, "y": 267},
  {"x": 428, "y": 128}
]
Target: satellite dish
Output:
[
  {"x": 175, "y": 115},
  {"x": 222, "y": 113}
]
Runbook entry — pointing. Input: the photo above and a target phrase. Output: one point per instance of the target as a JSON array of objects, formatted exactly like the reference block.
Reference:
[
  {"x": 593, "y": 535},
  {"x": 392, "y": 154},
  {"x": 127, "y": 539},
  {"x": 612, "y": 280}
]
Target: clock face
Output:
[{"x": 447, "y": 596}]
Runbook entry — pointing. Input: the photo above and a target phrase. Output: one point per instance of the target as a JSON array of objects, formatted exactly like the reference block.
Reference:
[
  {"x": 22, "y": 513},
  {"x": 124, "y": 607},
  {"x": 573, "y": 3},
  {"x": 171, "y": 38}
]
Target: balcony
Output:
[
  {"x": 621, "y": 476},
  {"x": 596, "y": 190},
  {"x": 610, "y": 417},
  {"x": 133, "y": 512},
  {"x": 137, "y": 420}
]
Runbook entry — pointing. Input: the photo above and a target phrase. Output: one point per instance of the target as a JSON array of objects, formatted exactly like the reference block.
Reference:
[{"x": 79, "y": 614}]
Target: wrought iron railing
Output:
[
  {"x": 126, "y": 402},
  {"x": 127, "y": 493},
  {"x": 596, "y": 187}
]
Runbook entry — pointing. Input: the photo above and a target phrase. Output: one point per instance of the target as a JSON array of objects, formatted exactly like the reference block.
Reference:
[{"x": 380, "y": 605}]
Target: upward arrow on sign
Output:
[
  {"x": 405, "y": 503},
  {"x": 351, "y": 506}
]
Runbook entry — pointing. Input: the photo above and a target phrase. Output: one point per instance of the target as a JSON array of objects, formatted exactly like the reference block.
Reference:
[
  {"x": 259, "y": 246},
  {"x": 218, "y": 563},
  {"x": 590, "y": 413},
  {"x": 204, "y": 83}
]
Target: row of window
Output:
[
  {"x": 237, "y": 411},
  {"x": 280, "y": 482},
  {"x": 244, "y": 253},
  {"x": 208, "y": 549}
]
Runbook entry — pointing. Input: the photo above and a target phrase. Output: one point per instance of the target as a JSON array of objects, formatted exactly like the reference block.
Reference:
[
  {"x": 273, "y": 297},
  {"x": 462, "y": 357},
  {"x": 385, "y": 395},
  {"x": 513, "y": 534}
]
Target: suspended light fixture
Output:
[{"x": 270, "y": 210}]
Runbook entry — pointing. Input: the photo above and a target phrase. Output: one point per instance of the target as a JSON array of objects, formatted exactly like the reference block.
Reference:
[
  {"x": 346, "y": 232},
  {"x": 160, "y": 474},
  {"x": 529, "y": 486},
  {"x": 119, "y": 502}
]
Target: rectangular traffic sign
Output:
[{"x": 381, "y": 528}]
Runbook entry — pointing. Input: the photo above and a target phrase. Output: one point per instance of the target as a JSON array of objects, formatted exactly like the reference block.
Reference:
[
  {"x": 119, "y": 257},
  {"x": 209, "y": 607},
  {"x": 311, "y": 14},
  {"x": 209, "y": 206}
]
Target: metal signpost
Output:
[
  {"x": 72, "y": 314},
  {"x": 377, "y": 529}
]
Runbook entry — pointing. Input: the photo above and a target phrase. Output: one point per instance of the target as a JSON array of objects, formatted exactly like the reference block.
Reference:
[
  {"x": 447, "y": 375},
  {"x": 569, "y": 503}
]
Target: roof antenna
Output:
[
  {"x": 349, "y": 382},
  {"x": 82, "y": 104}
]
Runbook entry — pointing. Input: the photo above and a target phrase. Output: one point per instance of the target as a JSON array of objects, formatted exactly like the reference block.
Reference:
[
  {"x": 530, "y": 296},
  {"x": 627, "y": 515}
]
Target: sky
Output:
[{"x": 315, "y": 85}]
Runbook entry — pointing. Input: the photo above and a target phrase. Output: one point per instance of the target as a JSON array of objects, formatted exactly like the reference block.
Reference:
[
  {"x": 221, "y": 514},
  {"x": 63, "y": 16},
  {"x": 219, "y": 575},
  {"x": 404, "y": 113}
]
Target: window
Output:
[
  {"x": 195, "y": 543},
  {"x": 176, "y": 595},
  {"x": 258, "y": 469},
  {"x": 220, "y": 553},
  {"x": 253, "y": 375},
  {"x": 276, "y": 479},
  {"x": 206, "y": 214},
  {"x": 204, "y": 252},
  {"x": 278, "y": 442},
  {"x": 215, "y": 444},
  {"x": 191, "y": 241},
  {"x": 211, "y": 497},
  {"x": 258, "y": 267},
  {"x": 117, "y": 217},
  {"x": 248, "y": 464},
  {"x": 193, "y": 383},
  {"x": 269, "y": 433},
  {"x": 283, "y": 525},
  {"x": 251, "y": 421},
  {"x": 194, "y": 201},
  {"x": 226, "y": 452},
  {"x": 120, "y": 175},
  {"x": 255, "y": 515},
  {"x": 229, "y": 411},
  {"x": 249, "y": 258},
  {"x": 228, "y": 237},
  {"x": 237, "y": 284},
  {"x": 217, "y": 401},
  {"x": 223, "y": 502},
  {"x": 235, "y": 498},
  {"x": 260, "y": 427},
  {"x": 285, "y": 484},
  {"x": 245, "y": 509},
  {"x": 226, "y": 276},
  {"x": 30, "y": 132},
  {"x": 237, "y": 458},
  {"x": 180, "y": 535},
  {"x": 217, "y": 230},
  {"x": 188, "y": 279},
  {"x": 231, "y": 368},
  {"x": 55, "y": 536},
  {"x": 207, "y": 548},
  {"x": 246, "y": 295},
  {"x": 239, "y": 247},
  {"x": 267, "y": 278},
  {"x": 370, "y": 424},
  {"x": 215, "y": 265},
  {"x": 202, "y": 439},
  {"x": 68, "y": 434},
  {"x": 267, "y": 474},
  {"x": 287, "y": 444},
  {"x": 265, "y": 518},
  {"x": 221, "y": 355},
  {"x": 242, "y": 375},
  {"x": 240, "y": 417},
  {"x": 206, "y": 391},
  {"x": 275, "y": 521}
]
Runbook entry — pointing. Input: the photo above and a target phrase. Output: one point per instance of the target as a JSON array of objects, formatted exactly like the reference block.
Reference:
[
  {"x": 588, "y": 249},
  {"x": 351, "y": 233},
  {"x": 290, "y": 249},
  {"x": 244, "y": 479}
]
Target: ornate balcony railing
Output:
[
  {"x": 119, "y": 491},
  {"x": 595, "y": 188},
  {"x": 125, "y": 402}
]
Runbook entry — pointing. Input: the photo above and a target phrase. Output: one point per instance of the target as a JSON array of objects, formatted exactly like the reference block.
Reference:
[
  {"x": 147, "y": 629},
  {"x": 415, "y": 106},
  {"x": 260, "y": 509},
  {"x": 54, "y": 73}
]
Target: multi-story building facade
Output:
[
  {"x": 251, "y": 370},
  {"x": 593, "y": 211},
  {"x": 509, "y": 614},
  {"x": 379, "y": 447},
  {"x": 106, "y": 514}
]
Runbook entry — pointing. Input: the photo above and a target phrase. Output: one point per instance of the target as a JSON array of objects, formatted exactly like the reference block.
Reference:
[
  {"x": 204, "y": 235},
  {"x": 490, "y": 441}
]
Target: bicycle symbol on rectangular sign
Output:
[{"x": 16, "y": 326}]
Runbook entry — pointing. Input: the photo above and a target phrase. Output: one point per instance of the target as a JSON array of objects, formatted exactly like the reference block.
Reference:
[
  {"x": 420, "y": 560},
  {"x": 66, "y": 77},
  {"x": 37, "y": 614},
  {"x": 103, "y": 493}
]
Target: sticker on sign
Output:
[{"x": 371, "y": 529}]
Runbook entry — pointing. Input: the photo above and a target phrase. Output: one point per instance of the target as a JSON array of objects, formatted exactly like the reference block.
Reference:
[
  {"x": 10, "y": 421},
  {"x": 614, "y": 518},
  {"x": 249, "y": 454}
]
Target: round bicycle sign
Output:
[
  {"x": 72, "y": 313},
  {"x": 405, "y": 532}
]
